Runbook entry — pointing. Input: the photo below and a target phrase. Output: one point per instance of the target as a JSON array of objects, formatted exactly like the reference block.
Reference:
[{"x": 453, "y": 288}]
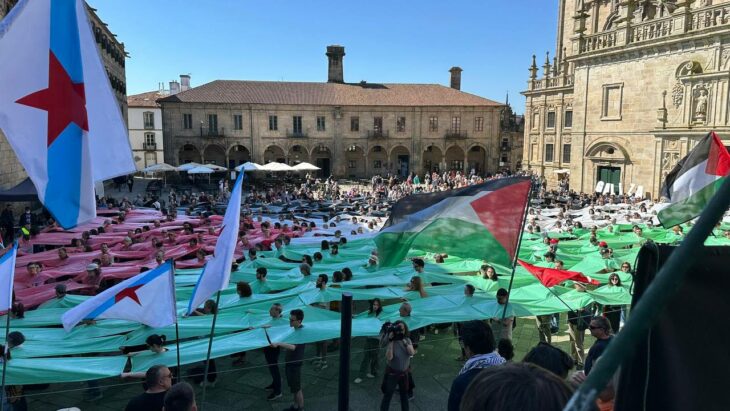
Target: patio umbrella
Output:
[
  {"x": 201, "y": 170},
  {"x": 159, "y": 168},
  {"x": 215, "y": 167},
  {"x": 188, "y": 166},
  {"x": 274, "y": 166},
  {"x": 248, "y": 166},
  {"x": 305, "y": 167}
]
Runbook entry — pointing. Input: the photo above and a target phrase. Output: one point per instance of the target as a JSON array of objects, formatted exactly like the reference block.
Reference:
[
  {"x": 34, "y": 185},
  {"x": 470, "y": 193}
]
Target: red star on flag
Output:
[
  {"x": 64, "y": 100},
  {"x": 129, "y": 292}
]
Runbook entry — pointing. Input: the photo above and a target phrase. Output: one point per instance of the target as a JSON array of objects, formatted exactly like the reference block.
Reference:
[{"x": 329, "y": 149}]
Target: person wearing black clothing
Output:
[
  {"x": 294, "y": 358},
  {"x": 158, "y": 380},
  {"x": 601, "y": 329},
  {"x": 7, "y": 221},
  {"x": 398, "y": 353},
  {"x": 26, "y": 218},
  {"x": 272, "y": 359}
]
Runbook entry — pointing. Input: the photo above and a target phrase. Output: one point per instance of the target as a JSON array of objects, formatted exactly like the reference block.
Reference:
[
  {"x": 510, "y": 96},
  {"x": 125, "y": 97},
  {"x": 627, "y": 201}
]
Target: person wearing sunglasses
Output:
[{"x": 601, "y": 330}]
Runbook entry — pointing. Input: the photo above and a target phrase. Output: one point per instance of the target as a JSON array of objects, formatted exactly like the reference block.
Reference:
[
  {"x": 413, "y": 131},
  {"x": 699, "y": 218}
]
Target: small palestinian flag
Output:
[
  {"x": 481, "y": 221},
  {"x": 550, "y": 277},
  {"x": 694, "y": 180}
]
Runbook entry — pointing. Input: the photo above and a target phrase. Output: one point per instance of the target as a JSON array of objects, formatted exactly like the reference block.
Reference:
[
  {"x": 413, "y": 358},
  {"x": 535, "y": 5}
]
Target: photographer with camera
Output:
[{"x": 398, "y": 353}]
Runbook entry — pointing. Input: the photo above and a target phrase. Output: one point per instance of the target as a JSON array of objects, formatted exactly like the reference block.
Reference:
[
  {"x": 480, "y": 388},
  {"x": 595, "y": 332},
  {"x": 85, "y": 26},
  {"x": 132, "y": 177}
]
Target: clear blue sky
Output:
[{"x": 385, "y": 41}]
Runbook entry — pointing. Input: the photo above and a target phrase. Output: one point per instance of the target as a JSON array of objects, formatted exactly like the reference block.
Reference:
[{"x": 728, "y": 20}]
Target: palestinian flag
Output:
[
  {"x": 694, "y": 180},
  {"x": 552, "y": 276},
  {"x": 481, "y": 221}
]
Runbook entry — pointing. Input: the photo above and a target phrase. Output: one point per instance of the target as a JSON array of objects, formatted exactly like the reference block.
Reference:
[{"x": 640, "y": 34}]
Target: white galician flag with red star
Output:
[
  {"x": 57, "y": 107},
  {"x": 148, "y": 298}
]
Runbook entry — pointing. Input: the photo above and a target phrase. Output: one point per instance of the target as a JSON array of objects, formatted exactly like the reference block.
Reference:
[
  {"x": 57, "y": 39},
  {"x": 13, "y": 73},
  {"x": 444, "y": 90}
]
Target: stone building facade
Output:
[
  {"x": 113, "y": 55},
  {"x": 145, "y": 128},
  {"x": 632, "y": 87},
  {"x": 347, "y": 129}
]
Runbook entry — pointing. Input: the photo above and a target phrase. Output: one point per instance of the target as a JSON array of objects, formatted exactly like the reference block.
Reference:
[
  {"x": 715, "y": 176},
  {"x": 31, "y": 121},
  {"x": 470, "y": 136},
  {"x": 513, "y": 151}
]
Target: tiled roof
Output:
[
  {"x": 330, "y": 94},
  {"x": 148, "y": 99}
]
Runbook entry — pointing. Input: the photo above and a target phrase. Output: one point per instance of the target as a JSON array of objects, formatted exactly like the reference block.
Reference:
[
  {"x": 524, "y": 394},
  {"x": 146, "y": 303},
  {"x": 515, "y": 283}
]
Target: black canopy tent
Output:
[{"x": 25, "y": 191}]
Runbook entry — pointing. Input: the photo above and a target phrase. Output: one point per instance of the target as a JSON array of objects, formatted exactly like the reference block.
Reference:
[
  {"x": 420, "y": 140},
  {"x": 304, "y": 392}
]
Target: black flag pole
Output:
[
  {"x": 210, "y": 347},
  {"x": 517, "y": 250}
]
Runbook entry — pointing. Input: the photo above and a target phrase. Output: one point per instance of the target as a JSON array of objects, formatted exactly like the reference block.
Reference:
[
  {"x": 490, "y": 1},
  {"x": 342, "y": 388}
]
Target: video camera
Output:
[{"x": 393, "y": 331}]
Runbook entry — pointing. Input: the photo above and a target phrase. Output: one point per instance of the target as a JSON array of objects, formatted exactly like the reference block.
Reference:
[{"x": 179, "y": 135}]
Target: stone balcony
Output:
[
  {"x": 551, "y": 82},
  {"x": 682, "y": 22}
]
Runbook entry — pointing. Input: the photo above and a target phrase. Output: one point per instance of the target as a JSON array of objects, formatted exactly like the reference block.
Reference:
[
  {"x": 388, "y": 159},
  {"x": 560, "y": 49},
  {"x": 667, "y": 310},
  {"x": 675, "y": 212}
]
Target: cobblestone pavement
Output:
[{"x": 241, "y": 387}]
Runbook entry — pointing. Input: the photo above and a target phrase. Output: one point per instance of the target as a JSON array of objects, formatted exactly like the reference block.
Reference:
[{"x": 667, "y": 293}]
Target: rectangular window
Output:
[
  {"x": 568, "y": 123},
  {"x": 400, "y": 124},
  {"x": 549, "y": 153},
  {"x": 479, "y": 124},
  {"x": 455, "y": 124},
  {"x": 320, "y": 123},
  {"x": 237, "y": 122},
  {"x": 297, "y": 124},
  {"x": 187, "y": 121},
  {"x": 149, "y": 139},
  {"x": 149, "y": 119},
  {"x": 377, "y": 164},
  {"x": 433, "y": 123},
  {"x": 273, "y": 123},
  {"x": 551, "y": 119},
  {"x": 354, "y": 123},
  {"x": 351, "y": 164},
  {"x": 566, "y": 153},
  {"x": 213, "y": 123},
  {"x": 378, "y": 124}
]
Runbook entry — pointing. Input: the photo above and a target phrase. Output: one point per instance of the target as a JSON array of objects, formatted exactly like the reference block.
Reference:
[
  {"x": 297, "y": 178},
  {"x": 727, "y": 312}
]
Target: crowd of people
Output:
[{"x": 54, "y": 264}]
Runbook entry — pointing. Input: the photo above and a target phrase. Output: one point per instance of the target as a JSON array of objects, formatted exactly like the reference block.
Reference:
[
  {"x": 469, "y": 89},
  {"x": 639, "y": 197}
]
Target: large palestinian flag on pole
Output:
[
  {"x": 480, "y": 221},
  {"x": 694, "y": 180}
]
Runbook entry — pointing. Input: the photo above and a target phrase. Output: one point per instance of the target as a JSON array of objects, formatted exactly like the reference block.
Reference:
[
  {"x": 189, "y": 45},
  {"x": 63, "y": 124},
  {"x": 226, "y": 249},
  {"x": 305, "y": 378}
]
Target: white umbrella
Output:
[
  {"x": 274, "y": 166},
  {"x": 306, "y": 167},
  {"x": 200, "y": 170},
  {"x": 188, "y": 166},
  {"x": 248, "y": 166},
  {"x": 158, "y": 168},
  {"x": 215, "y": 167}
]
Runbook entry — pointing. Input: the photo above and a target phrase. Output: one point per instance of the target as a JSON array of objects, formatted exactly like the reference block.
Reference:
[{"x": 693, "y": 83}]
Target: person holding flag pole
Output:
[
  {"x": 7, "y": 275},
  {"x": 217, "y": 272}
]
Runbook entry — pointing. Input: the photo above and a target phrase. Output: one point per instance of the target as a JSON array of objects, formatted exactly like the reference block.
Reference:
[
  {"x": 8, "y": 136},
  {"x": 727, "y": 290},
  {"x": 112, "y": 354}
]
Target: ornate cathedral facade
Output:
[{"x": 631, "y": 88}]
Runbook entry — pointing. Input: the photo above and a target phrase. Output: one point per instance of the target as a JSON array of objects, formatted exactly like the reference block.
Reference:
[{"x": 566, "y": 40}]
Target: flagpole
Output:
[
  {"x": 210, "y": 346},
  {"x": 5, "y": 359},
  {"x": 517, "y": 250},
  {"x": 177, "y": 328}
]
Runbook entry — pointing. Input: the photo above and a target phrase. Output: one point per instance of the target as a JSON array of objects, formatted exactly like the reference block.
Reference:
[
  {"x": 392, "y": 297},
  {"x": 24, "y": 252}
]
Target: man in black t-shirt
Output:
[
  {"x": 294, "y": 359},
  {"x": 157, "y": 380}
]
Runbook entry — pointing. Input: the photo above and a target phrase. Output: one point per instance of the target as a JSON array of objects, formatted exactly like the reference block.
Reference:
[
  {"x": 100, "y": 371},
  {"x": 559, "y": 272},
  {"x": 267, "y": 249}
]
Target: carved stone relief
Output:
[
  {"x": 677, "y": 94},
  {"x": 549, "y": 139},
  {"x": 671, "y": 144},
  {"x": 567, "y": 139},
  {"x": 669, "y": 160}
]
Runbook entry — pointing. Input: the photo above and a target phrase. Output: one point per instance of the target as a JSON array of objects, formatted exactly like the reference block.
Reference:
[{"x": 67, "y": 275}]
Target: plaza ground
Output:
[{"x": 242, "y": 387}]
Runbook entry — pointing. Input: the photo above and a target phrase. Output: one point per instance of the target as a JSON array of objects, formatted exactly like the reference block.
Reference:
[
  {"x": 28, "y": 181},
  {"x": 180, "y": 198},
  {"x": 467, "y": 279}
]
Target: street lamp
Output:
[{"x": 201, "y": 128}]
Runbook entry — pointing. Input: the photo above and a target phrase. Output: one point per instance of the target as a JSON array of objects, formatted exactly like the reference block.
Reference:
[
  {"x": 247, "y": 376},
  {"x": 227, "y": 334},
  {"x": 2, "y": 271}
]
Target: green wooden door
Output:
[{"x": 610, "y": 175}]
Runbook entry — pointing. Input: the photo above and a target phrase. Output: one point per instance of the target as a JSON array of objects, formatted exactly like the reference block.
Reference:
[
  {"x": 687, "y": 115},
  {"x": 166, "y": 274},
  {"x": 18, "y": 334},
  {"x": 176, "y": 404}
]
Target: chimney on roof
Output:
[
  {"x": 335, "y": 54},
  {"x": 184, "y": 82},
  {"x": 455, "y": 77},
  {"x": 174, "y": 87}
]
